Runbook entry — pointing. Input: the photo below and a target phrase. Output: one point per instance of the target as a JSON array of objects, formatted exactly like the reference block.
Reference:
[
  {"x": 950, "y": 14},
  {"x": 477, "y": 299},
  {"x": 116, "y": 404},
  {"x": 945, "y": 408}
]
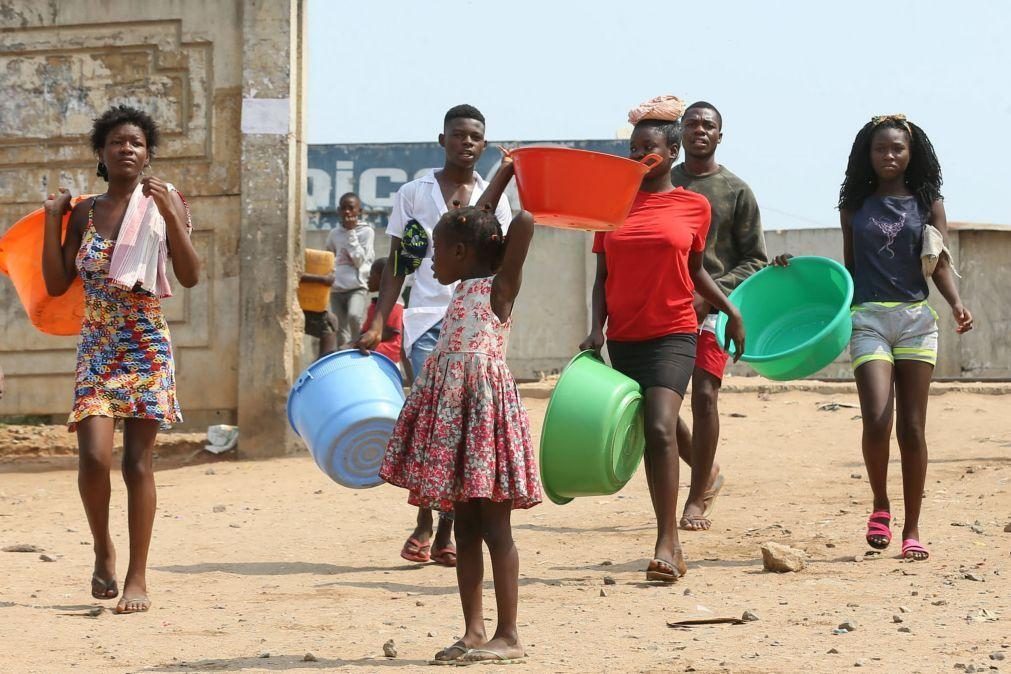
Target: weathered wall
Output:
[
  {"x": 983, "y": 257},
  {"x": 190, "y": 64},
  {"x": 552, "y": 312}
]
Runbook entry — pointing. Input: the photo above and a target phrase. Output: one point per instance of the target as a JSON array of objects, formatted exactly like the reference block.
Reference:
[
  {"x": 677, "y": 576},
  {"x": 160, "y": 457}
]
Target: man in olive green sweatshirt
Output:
[{"x": 735, "y": 249}]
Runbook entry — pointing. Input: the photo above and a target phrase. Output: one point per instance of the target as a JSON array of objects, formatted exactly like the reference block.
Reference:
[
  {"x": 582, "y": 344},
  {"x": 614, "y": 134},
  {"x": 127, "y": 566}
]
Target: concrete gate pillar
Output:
[{"x": 272, "y": 192}]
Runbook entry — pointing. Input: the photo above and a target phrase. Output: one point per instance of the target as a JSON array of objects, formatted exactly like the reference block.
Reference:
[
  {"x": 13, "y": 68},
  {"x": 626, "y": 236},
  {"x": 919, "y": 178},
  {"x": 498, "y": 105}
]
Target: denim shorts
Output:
[{"x": 893, "y": 331}]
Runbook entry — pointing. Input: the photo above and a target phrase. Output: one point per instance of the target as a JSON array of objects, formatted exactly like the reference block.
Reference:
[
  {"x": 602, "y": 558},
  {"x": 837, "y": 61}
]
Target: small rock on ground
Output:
[
  {"x": 782, "y": 558},
  {"x": 390, "y": 649},
  {"x": 849, "y": 626},
  {"x": 309, "y": 657},
  {"x": 749, "y": 616}
]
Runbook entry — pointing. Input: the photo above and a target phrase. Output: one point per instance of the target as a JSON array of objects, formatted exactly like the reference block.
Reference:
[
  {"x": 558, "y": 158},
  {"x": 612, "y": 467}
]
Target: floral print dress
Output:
[
  {"x": 463, "y": 432},
  {"x": 124, "y": 357}
]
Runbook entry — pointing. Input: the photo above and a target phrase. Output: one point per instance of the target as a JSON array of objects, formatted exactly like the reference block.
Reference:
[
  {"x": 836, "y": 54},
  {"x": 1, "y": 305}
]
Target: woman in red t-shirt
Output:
[{"x": 647, "y": 271}]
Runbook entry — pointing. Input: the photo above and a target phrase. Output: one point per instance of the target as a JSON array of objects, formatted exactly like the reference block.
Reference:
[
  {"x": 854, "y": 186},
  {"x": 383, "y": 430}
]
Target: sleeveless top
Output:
[{"x": 887, "y": 241}]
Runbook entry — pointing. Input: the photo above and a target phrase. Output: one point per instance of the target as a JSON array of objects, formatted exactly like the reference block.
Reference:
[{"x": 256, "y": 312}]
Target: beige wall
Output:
[
  {"x": 190, "y": 64},
  {"x": 552, "y": 312}
]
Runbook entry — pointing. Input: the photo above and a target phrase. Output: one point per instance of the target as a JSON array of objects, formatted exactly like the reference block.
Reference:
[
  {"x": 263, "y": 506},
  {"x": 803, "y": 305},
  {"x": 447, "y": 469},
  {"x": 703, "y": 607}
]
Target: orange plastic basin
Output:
[
  {"x": 578, "y": 189},
  {"x": 21, "y": 259}
]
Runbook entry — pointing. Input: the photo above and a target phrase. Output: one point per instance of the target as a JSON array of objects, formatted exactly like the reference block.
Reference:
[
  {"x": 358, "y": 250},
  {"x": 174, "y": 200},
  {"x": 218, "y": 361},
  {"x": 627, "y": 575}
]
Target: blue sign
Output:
[{"x": 375, "y": 171}]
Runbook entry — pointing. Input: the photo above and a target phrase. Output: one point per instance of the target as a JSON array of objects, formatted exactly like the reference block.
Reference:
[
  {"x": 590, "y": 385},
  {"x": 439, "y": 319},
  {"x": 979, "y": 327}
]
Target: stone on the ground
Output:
[
  {"x": 905, "y": 630},
  {"x": 997, "y": 656},
  {"x": 47, "y": 558},
  {"x": 390, "y": 649},
  {"x": 603, "y": 592},
  {"x": 609, "y": 580},
  {"x": 848, "y": 626},
  {"x": 781, "y": 558},
  {"x": 749, "y": 616},
  {"x": 896, "y": 618},
  {"x": 219, "y": 508},
  {"x": 22, "y": 547},
  {"x": 309, "y": 657}
]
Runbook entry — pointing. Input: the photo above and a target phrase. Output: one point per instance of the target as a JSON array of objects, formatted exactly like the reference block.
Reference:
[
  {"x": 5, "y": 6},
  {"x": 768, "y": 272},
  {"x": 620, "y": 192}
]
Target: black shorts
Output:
[
  {"x": 666, "y": 361},
  {"x": 317, "y": 324}
]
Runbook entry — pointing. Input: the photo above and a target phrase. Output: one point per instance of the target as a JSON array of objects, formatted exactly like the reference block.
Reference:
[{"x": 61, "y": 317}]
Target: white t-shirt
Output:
[{"x": 421, "y": 200}]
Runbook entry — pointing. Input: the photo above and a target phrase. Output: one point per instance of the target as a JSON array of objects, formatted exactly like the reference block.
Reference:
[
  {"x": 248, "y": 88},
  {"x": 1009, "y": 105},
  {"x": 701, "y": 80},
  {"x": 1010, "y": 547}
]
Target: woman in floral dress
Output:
[{"x": 119, "y": 243}]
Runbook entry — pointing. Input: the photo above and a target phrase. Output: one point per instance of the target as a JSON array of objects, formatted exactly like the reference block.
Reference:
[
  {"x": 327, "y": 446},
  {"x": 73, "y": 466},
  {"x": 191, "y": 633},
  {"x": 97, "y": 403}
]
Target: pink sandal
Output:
[
  {"x": 877, "y": 528},
  {"x": 445, "y": 556},
  {"x": 416, "y": 551},
  {"x": 911, "y": 547}
]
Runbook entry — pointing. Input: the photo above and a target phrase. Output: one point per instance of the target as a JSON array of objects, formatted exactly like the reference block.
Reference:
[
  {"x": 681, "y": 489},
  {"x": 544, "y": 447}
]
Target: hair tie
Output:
[{"x": 897, "y": 118}]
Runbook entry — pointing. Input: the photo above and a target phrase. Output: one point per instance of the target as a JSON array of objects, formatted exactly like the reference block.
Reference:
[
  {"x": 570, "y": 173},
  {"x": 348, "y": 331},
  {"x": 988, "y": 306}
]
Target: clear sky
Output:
[{"x": 795, "y": 80}]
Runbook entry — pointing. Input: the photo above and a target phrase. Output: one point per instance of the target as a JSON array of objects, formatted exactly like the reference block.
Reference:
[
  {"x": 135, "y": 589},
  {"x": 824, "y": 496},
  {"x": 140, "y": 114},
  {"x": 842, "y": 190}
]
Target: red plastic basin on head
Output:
[
  {"x": 578, "y": 189},
  {"x": 21, "y": 259}
]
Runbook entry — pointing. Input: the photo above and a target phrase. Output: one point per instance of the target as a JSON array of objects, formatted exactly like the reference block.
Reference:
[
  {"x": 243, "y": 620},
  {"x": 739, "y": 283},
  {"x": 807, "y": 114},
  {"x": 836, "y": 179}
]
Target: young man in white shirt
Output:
[{"x": 417, "y": 207}]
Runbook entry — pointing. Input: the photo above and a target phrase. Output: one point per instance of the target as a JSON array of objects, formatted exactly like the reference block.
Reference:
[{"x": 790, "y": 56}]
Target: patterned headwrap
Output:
[
  {"x": 661, "y": 108},
  {"x": 413, "y": 247},
  {"x": 899, "y": 118}
]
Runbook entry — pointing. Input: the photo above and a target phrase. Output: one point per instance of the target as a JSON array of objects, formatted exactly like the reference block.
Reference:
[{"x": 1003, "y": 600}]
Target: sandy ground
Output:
[{"x": 295, "y": 564}]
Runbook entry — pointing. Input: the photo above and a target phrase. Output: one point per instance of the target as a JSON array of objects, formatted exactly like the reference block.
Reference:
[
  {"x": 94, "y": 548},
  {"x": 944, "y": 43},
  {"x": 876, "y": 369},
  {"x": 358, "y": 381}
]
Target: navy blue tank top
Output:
[{"x": 887, "y": 241}]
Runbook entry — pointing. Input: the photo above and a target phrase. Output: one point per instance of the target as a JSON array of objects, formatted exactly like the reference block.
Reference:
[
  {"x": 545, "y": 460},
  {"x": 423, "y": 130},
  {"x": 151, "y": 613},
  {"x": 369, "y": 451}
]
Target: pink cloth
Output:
[
  {"x": 141, "y": 252},
  {"x": 662, "y": 108}
]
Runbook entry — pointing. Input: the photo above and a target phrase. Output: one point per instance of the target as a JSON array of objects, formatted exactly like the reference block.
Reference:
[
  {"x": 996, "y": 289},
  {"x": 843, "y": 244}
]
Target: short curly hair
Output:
[{"x": 117, "y": 116}]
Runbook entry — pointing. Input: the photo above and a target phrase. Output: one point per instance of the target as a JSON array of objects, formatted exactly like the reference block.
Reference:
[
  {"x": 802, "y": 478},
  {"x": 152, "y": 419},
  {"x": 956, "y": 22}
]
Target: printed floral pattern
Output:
[
  {"x": 124, "y": 357},
  {"x": 463, "y": 432}
]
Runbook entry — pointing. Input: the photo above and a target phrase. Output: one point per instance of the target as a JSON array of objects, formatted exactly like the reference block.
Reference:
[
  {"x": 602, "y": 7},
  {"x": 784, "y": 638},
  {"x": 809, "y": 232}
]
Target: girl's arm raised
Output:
[
  {"x": 506, "y": 285},
  {"x": 942, "y": 273},
  {"x": 496, "y": 187}
]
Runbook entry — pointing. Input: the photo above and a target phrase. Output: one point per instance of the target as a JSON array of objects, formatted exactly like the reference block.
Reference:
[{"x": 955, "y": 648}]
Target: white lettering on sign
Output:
[
  {"x": 368, "y": 186},
  {"x": 344, "y": 179},
  {"x": 319, "y": 188}
]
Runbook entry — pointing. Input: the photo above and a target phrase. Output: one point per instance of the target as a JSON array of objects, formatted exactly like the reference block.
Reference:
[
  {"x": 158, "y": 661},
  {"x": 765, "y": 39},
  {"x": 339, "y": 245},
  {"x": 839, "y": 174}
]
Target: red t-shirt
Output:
[
  {"x": 390, "y": 347},
  {"x": 648, "y": 287}
]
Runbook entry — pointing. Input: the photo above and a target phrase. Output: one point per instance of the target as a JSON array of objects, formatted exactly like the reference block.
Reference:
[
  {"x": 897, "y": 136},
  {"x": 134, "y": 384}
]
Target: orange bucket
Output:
[
  {"x": 21, "y": 259},
  {"x": 315, "y": 296},
  {"x": 578, "y": 189}
]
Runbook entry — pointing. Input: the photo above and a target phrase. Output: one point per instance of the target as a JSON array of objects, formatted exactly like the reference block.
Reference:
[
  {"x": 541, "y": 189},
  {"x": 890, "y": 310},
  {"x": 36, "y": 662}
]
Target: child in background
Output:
[
  {"x": 320, "y": 324},
  {"x": 462, "y": 441},
  {"x": 394, "y": 329},
  {"x": 353, "y": 245}
]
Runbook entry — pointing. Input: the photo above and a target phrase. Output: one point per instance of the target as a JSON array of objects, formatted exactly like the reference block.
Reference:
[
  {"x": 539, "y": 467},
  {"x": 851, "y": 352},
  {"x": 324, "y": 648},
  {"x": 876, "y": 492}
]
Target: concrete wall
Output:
[
  {"x": 191, "y": 64},
  {"x": 552, "y": 312}
]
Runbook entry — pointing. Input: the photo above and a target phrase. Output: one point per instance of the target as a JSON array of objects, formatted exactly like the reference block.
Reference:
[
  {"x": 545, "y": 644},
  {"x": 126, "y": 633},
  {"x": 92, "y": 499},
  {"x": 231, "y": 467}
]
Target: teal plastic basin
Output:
[{"x": 796, "y": 318}]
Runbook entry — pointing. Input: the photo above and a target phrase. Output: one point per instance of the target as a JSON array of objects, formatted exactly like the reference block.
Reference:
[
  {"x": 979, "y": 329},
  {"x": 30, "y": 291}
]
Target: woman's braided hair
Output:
[{"x": 923, "y": 175}]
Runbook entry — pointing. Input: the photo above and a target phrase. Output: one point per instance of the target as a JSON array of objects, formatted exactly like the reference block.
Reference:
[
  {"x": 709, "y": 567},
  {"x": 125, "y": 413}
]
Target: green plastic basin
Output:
[
  {"x": 796, "y": 318},
  {"x": 592, "y": 439}
]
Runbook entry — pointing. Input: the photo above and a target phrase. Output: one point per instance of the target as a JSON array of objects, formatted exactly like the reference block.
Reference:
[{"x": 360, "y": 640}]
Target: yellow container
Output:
[{"x": 315, "y": 296}]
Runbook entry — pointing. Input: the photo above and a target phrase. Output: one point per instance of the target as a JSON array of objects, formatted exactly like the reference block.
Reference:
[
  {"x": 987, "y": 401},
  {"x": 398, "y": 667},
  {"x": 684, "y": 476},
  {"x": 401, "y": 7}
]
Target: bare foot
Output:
[
  {"x": 498, "y": 649},
  {"x": 134, "y": 599}
]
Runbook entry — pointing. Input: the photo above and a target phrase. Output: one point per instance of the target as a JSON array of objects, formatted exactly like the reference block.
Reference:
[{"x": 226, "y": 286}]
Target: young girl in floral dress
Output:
[
  {"x": 119, "y": 243},
  {"x": 462, "y": 442}
]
